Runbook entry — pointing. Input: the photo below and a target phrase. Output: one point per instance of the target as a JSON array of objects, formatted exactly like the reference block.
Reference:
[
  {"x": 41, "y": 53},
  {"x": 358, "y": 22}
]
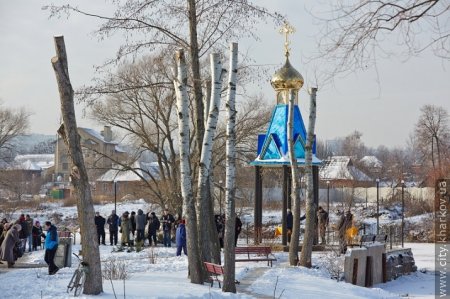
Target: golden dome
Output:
[{"x": 287, "y": 78}]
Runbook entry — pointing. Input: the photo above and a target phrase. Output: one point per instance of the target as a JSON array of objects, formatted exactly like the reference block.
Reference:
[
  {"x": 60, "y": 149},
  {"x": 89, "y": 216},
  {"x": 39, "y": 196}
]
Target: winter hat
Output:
[
  {"x": 37, "y": 222},
  {"x": 153, "y": 213},
  {"x": 18, "y": 227},
  {"x": 183, "y": 221}
]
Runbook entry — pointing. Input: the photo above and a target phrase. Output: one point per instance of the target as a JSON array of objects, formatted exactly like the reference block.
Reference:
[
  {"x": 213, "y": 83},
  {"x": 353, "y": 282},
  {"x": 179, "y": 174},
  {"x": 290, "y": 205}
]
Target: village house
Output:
[{"x": 99, "y": 152}]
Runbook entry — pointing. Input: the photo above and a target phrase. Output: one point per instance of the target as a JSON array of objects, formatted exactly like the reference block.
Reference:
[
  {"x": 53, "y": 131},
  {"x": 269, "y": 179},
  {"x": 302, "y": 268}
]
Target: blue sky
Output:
[{"x": 382, "y": 103}]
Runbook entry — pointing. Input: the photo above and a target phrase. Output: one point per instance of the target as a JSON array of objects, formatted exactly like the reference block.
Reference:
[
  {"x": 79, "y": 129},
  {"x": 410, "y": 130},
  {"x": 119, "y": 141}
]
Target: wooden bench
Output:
[
  {"x": 370, "y": 239},
  {"x": 255, "y": 254},
  {"x": 214, "y": 271},
  {"x": 64, "y": 234}
]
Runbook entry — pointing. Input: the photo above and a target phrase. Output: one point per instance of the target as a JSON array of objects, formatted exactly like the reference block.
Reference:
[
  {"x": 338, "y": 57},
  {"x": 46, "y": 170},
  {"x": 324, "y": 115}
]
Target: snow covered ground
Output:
[{"x": 167, "y": 278}]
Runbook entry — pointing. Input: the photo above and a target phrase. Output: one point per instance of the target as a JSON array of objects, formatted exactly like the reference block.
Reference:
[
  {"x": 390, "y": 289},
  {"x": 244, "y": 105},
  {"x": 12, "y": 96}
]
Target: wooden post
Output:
[
  {"x": 384, "y": 267},
  {"x": 258, "y": 205},
  {"x": 285, "y": 205}
]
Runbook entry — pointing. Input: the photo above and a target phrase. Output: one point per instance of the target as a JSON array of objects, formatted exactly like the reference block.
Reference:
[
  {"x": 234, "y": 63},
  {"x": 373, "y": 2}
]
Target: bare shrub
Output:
[
  {"x": 115, "y": 269},
  {"x": 152, "y": 255},
  {"x": 333, "y": 262}
]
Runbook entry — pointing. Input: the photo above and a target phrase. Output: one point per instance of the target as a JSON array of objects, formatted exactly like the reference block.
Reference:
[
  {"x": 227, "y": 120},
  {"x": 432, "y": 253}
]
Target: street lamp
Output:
[
  {"x": 115, "y": 196},
  {"x": 403, "y": 209},
  {"x": 328, "y": 210},
  {"x": 378, "y": 205}
]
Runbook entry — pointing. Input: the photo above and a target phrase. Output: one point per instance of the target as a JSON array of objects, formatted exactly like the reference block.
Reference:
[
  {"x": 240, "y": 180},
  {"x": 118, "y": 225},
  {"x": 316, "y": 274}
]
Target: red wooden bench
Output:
[
  {"x": 255, "y": 254},
  {"x": 214, "y": 271}
]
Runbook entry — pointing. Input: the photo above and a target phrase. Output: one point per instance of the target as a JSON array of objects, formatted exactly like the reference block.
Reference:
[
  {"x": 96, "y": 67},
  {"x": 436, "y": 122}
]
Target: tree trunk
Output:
[
  {"x": 196, "y": 79},
  {"x": 230, "y": 180},
  {"x": 295, "y": 198},
  {"x": 310, "y": 231},
  {"x": 195, "y": 264},
  {"x": 205, "y": 213},
  {"x": 69, "y": 133}
]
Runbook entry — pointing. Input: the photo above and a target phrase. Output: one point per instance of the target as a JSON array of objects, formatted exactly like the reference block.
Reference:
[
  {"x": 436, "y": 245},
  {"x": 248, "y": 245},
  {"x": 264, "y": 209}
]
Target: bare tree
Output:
[
  {"x": 194, "y": 256},
  {"x": 308, "y": 240},
  {"x": 210, "y": 249},
  {"x": 355, "y": 30},
  {"x": 295, "y": 192},
  {"x": 12, "y": 124},
  {"x": 230, "y": 183},
  {"x": 433, "y": 132},
  {"x": 139, "y": 100},
  {"x": 68, "y": 132}
]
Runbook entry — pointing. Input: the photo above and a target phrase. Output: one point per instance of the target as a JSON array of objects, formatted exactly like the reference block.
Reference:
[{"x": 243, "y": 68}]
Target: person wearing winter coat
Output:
[
  {"x": 4, "y": 228},
  {"x": 23, "y": 234},
  {"x": 37, "y": 234},
  {"x": 113, "y": 222},
  {"x": 322, "y": 217},
  {"x": 289, "y": 224},
  {"x": 153, "y": 227},
  {"x": 237, "y": 230},
  {"x": 141, "y": 221},
  {"x": 167, "y": 220},
  {"x": 100, "y": 225},
  {"x": 133, "y": 226},
  {"x": 51, "y": 245},
  {"x": 180, "y": 237},
  {"x": 125, "y": 229},
  {"x": 29, "y": 222},
  {"x": 344, "y": 224},
  {"x": 7, "y": 248}
]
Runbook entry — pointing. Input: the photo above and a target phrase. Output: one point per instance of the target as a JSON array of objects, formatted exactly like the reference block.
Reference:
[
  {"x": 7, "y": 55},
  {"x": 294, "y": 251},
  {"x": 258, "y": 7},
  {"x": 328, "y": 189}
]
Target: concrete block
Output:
[
  {"x": 359, "y": 254},
  {"x": 376, "y": 252}
]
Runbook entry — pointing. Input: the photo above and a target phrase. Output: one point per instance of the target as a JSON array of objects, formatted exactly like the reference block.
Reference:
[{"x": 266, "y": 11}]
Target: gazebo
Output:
[{"x": 272, "y": 151}]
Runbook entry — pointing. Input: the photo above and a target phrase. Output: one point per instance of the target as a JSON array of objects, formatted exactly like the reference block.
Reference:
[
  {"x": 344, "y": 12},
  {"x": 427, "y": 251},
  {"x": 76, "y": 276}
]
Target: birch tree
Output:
[
  {"x": 209, "y": 246},
  {"x": 195, "y": 265},
  {"x": 230, "y": 180},
  {"x": 308, "y": 240},
  {"x": 295, "y": 198},
  {"x": 69, "y": 134}
]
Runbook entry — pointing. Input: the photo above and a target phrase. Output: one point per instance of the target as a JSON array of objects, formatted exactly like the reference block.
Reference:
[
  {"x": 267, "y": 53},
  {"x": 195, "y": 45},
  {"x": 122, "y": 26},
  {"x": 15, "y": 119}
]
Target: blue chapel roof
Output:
[{"x": 273, "y": 146}]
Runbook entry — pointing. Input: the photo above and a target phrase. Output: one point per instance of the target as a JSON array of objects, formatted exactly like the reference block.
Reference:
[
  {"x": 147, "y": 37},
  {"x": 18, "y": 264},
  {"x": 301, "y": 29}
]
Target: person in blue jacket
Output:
[
  {"x": 180, "y": 238},
  {"x": 51, "y": 245}
]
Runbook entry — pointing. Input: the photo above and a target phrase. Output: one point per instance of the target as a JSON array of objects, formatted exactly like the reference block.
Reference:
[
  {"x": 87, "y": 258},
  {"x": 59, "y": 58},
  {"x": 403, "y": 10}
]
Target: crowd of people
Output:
[
  {"x": 136, "y": 228},
  {"x": 16, "y": 235}
]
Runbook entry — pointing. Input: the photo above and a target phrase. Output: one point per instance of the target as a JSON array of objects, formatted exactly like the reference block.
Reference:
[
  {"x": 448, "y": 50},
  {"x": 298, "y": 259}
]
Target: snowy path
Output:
[{"x": 246, "y": 282}]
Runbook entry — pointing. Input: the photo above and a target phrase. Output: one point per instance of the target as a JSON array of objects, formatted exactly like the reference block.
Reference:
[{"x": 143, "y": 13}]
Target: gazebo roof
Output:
[{"x": 273, "y": 146}]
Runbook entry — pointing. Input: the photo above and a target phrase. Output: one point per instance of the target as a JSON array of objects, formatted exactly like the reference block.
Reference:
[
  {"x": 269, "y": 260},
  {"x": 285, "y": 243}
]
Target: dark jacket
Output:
[
  {"x": 141, "y": 220},
  {"x": 238, "y": 226},
  {"x": 113, "y": 222},
  {"x": 180, "y": 236},
  {"x": 167, "y": 221},
  {"x": 289, "y": 220},
  {"x": 100, "y": 223},
  {"x": 23, "y": 234},
  {"x": 51, "y": 240},
  {"x": 153, "y": 224}
]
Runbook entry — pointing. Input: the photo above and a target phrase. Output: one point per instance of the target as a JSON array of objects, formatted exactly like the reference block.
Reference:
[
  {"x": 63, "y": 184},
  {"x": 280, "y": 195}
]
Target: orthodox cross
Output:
[{"x": 286, "y": 30}]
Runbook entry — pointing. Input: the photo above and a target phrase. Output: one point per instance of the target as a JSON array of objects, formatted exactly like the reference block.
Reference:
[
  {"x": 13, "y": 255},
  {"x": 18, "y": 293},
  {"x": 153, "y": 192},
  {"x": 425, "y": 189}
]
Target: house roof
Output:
[
  {"x": 96, "y": 135},
  {"x": 140, "y": 169},
  {"x": 341, "y": 168},
  {"x": 33, "y": 162}
]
